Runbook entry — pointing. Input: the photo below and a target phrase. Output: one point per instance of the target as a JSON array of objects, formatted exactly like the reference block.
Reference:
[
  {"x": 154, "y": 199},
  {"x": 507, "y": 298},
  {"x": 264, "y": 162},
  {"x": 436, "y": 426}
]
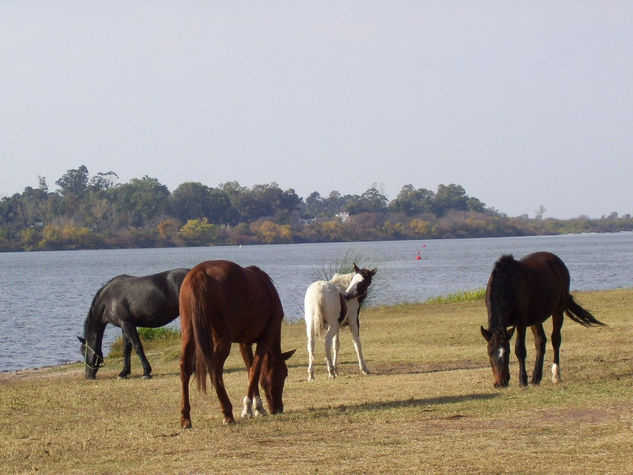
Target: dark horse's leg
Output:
[
  {"x": 539, "y": 343},
  {"x": 127, "y": 352},
  {"x": 521, "y": 353},
  {"x": 222, "y": 350},
  {"x": 557, "y": 324},
  {"x": 248, "y": 403},
  {"x": 186, "y": 368},
  {"x": 130, "y": 331}
]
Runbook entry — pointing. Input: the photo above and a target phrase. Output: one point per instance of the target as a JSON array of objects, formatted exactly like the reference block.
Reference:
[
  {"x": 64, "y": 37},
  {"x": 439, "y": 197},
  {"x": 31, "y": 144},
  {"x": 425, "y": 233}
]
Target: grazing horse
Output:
[
  {"x": 523, "y": 294},
  {"x": 129, "y": 302},
  {"x": 334, "y": 304},
  {"x": 222, "y": 303}
]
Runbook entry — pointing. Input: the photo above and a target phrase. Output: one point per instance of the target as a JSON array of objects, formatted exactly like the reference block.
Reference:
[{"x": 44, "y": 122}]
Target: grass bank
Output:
[{"x": 428, "y": 405}]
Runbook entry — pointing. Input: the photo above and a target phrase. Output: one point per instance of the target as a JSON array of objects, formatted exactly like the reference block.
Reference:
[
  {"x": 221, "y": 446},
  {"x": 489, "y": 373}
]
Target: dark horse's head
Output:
[
  {"x": 360, "y": 282},
  {"x": 273, "y": 377},
  {"x": 499, "y": 353},
  {"x": 93, "y": 359}
]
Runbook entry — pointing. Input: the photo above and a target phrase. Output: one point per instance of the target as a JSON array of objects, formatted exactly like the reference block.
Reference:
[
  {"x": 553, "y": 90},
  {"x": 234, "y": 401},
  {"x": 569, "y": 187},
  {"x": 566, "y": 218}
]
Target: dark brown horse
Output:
[
  {"x": 222, "y": 303},
  {"x": 523, "y": 294}
]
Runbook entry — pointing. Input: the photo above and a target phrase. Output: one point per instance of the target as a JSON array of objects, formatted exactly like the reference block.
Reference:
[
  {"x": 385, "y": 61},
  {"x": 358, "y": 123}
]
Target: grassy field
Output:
[{"x": 429, "y": 405}]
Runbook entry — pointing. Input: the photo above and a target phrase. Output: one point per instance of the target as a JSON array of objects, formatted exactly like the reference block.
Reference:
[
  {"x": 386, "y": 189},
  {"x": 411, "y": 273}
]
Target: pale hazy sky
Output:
[{"x": 523, "y": 103}]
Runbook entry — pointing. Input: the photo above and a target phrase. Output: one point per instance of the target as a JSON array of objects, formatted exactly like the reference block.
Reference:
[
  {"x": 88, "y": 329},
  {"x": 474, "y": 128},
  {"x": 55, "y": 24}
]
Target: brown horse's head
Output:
[
  {"x": 499, "y": 353},
  {"x": 273, "y": 377}
]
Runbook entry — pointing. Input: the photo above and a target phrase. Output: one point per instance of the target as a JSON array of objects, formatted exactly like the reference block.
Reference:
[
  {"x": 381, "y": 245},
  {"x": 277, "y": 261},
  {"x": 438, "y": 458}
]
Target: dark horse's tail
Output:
[
  {"x": 580, "y": 315},
  {"x": 201, "y": 314}
]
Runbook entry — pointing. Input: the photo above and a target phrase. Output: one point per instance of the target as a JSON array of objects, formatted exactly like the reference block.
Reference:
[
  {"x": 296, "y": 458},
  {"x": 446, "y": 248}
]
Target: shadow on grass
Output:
[{"x": 408, "y": 403}]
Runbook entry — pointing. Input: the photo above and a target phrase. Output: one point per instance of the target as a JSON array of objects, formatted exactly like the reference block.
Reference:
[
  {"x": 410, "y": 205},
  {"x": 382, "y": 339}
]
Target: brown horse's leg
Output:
[
  {"x": 557, "y": 324},
  {"x": 521, "y": 352},
  {"x": 539, "y": 343},
  {"x": 222, "y": 350},
  {"x": 186, "y": 368},
  {"x": 255, "y": 402}
]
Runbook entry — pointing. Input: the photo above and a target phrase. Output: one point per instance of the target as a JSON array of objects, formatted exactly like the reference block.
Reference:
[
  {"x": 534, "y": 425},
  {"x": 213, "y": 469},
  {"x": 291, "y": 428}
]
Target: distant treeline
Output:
[{"x": 90, "y": 212}]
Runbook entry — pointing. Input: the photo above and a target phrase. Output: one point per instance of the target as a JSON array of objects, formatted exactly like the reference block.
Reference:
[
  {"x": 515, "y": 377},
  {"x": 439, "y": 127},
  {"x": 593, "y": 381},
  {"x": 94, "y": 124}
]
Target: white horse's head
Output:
[{"x": 361, "y": 280}]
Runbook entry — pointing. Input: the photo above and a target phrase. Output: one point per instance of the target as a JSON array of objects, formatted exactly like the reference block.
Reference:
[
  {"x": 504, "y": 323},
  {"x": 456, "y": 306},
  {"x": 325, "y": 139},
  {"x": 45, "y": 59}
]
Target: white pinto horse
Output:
[{"x": 330, "y": 305}]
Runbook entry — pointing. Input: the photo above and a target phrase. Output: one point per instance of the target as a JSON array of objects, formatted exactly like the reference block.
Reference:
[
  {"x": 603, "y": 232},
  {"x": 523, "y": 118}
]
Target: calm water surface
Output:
[{"x": 45, "y": 296}]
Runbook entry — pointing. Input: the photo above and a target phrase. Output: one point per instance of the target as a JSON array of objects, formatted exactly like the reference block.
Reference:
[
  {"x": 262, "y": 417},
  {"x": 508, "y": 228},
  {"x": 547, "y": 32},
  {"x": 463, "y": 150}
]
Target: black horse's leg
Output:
[
  {"x": 132, "y": 334},
  {"x": 521, "y": 352},
  {"x": 127, "y": 351},
  {"x": 539, "y": 343},
  {"x": 222, "y": 350},
  {"x": 557, "y": 324}
]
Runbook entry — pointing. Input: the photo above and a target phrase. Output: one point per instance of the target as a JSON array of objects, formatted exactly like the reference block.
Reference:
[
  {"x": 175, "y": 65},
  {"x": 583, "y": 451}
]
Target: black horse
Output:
[
  {"x": 523, "y": 294},
  {"x": 129, "y": 302}
]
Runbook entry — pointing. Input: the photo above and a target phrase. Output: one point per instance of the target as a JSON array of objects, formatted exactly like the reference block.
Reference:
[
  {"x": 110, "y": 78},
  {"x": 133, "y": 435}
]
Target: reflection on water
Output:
[{"x": 45, "y": 296}]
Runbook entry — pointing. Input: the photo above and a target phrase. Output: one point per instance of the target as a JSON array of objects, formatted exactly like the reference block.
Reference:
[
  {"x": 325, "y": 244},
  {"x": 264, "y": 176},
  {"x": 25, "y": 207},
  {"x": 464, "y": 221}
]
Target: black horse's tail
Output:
[
  {"x": 199, "y": 303},
  {"x": 580, "y": 315}
]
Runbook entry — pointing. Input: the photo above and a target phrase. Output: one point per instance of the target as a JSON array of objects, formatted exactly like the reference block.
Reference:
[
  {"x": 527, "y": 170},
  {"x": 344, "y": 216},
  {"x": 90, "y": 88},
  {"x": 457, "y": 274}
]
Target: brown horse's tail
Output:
[
  {"x": 200, "y": 321},
  {"x": 580, "y": 315}
]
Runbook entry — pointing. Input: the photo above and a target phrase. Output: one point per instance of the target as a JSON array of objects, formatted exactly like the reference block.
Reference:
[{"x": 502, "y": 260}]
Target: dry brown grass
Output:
[{"x": 428, "y": 406}]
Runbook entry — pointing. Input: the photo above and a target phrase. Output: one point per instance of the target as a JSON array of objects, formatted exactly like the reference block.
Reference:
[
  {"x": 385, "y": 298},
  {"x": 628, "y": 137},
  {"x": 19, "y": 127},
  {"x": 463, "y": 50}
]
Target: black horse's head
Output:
[
  {"x": 499, "y": 353},
  {"x": 93, "y": 359},
  {"x": 360, "y": 282},
  {"x": 273, "y": 377}
]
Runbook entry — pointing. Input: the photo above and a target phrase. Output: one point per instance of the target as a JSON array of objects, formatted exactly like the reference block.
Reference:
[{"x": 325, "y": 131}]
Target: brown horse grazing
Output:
[
  {"x": 222, "y": 303},
  {"x": 523, "y": 294}
]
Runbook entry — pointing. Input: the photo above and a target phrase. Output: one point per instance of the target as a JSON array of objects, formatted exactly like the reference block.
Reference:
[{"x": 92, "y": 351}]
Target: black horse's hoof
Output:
[{"x": 147, "y": 376}]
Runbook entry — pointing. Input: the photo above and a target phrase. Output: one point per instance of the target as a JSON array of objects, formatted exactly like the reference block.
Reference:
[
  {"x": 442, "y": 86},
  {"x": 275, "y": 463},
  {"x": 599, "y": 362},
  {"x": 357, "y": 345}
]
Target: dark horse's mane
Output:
[
  {"x": 94, "y": 303},
  {"x": 501, "y": 281}
]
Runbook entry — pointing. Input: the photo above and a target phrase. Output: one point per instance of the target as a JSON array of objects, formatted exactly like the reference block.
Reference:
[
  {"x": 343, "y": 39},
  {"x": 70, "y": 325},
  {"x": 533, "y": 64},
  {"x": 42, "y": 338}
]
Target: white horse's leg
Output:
[
  {"x": 329, "y": 336},
  {"x": 311, "y": 342},
  {"x": 337, "y": 346},
  {"x": 353, "y": 328}
]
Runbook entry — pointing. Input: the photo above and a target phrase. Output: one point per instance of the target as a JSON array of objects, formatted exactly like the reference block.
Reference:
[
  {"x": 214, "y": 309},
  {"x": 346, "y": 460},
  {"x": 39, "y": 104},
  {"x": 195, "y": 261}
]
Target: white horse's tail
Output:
[{"x": 315, "y": 310}]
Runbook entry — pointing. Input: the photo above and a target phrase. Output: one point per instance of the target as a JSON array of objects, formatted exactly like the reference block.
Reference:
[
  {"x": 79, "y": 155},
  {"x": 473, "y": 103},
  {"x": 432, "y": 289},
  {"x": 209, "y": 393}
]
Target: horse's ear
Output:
[
  {"x": 83, "y": 341},
  {"x": 510, "y": 332},
  {"x": 286, "y": 356},
  {"x": 373, "y": 272},
  {"x": 356, "y": 269},
  {"x": 486, "y": 334}
]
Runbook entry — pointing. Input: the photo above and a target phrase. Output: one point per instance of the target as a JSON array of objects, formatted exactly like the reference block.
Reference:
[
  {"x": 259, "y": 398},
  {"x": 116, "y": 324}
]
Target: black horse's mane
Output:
[{"x": 94, "y": 303}]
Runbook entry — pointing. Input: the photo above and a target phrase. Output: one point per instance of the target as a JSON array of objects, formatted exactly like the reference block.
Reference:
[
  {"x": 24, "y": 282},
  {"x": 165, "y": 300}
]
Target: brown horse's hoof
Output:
[
  {"x": 185, "y": 424},
  {"x": 229, "y": 422}
]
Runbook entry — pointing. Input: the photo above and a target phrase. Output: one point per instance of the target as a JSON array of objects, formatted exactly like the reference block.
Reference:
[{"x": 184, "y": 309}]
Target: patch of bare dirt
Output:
[{"x": 398, "y": 367}]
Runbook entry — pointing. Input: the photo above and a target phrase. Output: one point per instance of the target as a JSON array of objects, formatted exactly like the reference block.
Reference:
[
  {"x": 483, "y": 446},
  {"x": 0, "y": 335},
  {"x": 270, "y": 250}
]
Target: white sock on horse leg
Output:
[{"x": 247, "y": 409}]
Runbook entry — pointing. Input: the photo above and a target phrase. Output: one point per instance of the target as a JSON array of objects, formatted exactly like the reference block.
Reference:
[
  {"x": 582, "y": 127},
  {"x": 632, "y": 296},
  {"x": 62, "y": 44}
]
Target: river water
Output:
[{"x": 45, "y": 296}]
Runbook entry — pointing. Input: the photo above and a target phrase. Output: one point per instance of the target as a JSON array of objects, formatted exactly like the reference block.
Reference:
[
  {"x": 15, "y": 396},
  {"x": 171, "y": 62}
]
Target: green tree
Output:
[
  {"x": 198, "y": 232},
  {"x": 141, "y": 202},
  {"x": 413, "y": 202},
  {"x": 74, "y": 182}
]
